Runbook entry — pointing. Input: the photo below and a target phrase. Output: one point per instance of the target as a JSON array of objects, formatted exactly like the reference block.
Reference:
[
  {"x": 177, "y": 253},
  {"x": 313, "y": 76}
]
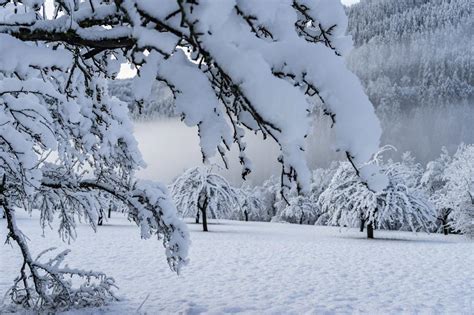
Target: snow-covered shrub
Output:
[
  {"x": 458, "y": 194},
  {"x": 349, "y": 202},
  {"x": 54, "y": 289},
  {"x": 199, "y": 191}
]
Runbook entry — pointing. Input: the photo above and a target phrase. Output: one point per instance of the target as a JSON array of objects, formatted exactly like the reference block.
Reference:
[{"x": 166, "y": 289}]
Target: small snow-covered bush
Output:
[{"x": 54, "y": 288}]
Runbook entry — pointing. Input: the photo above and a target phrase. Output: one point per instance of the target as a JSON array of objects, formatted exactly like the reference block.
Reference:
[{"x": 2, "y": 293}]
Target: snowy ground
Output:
[{"x": 270, "y": 268}]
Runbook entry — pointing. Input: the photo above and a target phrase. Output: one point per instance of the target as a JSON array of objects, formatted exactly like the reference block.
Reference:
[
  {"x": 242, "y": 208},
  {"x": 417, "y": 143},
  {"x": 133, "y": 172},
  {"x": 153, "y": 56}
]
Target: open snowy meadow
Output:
[
  {"x": 326, "y": 149},
  {"x": 268, "y": 268}
]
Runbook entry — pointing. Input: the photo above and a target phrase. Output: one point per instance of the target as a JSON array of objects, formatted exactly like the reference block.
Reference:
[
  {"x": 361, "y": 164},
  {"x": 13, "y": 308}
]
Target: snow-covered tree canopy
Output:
[
  {"x": 458, "y": 194},
  {"x": 401, "y": 205},
  {"x": 251, "y": 204},
  {"x": 301, "y": 209},
  {"x": 64, "y": 146},
  {"x": 199, "y": 183},
  {"x": 231, "y": 64}
]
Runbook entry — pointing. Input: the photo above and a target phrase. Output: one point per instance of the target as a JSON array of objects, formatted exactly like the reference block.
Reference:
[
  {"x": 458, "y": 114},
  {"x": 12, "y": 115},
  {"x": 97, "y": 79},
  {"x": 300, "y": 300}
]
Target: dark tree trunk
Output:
[
  {"x": 362, "y": 223},
  {"x": 204, "y": 219},
  {"x": 203, "y": 207},
  {"x": 197, "y": 216},
  {"x": 444, "y": 218},
  {"x": 370, "y": 230},
  {"x": 101, "y": 219},
  {"x": 110, "y": 212},
  {"x": 246, "y": 214}
]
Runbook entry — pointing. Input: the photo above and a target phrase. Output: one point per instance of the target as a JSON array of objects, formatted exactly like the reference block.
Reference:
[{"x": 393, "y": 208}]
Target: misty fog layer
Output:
[{"x": 169, "y": 146}]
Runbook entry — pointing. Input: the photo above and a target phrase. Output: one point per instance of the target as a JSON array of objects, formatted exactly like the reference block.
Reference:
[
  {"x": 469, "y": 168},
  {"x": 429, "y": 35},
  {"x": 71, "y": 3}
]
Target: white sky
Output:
[{"x": 349, "y": 2}]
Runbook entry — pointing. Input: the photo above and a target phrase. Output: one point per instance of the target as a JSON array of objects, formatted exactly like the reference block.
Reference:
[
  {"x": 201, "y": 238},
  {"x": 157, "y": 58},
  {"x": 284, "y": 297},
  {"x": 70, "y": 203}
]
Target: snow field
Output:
[{"x": 269, "y": 268}]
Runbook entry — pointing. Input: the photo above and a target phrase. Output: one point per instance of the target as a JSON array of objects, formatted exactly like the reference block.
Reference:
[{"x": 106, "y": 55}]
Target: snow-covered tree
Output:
[
  {"x": 349, "y": 202},
  {"x": 199, "y": 191},
  {"x": 301, "y": 210},
  {"x": 434, "y": 182},
  {"x": 231, "y": 65},
  {"x": 64, "y": 144},
  {"x": 267, "y": 193},
  {"x": 433, "y": 179},
  {"x": 252, "y": 207},
  {"x": 458, "y": 194},
  {"x": 305, "y": 209}
]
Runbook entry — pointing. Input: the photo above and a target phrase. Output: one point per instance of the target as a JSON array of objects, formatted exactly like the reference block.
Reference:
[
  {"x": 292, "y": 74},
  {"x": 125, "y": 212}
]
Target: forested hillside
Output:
[
  {"x": 413, "y": 53},
  {"x": 415, "y": 59},
  {"x": 160, "y": 103}
]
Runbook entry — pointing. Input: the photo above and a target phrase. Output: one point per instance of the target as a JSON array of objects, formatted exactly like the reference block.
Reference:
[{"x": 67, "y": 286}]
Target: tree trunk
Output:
[
  {"x": 370, "y": 230},
  {"x": 362, "y": 223},
  {"x": 110, "y": 212},
  {"x": 101, "y": 219},
  {"x": 246, "y": 214},
  {"x": 203, "y": 207},
  {"x": 197, "y": 216},
  {"x": 204, "y": 219}
]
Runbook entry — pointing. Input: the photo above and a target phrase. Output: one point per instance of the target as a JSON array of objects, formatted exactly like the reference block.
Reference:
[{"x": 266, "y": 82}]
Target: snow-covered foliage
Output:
[
  {"x": 64, "y": 144},
  {"x": 247, "y": 65},
  {"x": 301, "y": 209},
  {"x": 401, "y": 205},
  {"x": 55, "y": 290},
  {"x": 433, "y": 177},
  {"x": 458, "y": 193},
  {"x": 199, "y": 190},
  {"x": 268, "y": 193},
  {"x": 252, "y": 207}
]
